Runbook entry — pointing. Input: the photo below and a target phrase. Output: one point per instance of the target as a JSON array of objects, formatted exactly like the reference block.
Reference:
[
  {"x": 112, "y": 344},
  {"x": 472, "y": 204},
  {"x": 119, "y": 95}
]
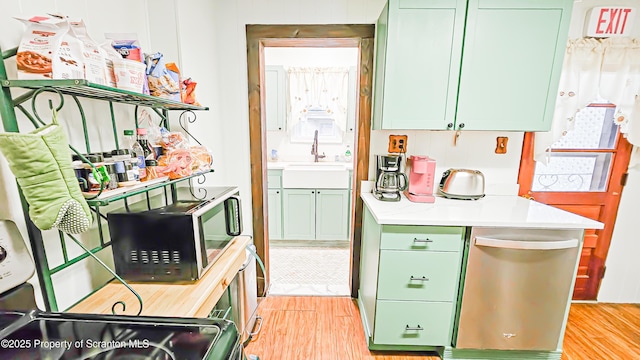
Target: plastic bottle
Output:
[
  {"x": 137, "y": 152},
  {"x": 347, "y": 154},
  {"x": 129, "y": 139}
]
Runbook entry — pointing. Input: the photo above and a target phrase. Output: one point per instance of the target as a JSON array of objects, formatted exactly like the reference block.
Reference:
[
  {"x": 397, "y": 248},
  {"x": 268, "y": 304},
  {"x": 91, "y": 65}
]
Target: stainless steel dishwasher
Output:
[{"x": 517, "y": 286}]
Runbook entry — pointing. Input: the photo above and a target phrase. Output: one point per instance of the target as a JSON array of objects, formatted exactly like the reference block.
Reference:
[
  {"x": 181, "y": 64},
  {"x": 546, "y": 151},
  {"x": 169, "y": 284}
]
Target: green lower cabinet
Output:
[
  {"x": 413, "y": 323},
  {"x": 414, "y": 275},
  {"x": 274, "y": 204},
  {"x": 310, "y": 214},
  {"x": 299, "y": 214},
  {"x": 332, "y": 214}
]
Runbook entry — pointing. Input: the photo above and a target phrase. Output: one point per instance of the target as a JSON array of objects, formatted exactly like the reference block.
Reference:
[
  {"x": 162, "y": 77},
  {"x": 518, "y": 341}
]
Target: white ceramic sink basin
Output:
[
  {"x": 318, "y": 165},
  {"x": 314, "y": 176}
]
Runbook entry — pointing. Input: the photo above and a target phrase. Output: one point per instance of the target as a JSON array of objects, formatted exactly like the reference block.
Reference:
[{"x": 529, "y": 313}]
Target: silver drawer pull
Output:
[
  {"x": 418, "y": 328},
  {"x": 427, "y": 240},
  {"x": 421, "y": 278}
]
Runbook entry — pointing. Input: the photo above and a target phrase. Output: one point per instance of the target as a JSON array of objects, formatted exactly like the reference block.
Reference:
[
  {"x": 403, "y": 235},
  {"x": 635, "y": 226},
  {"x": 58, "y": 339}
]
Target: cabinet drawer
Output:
[
  {"x": 438, "y": 238},
  {"x": 413, "y": 323},
  {"x": 274, "y": 179},
  {"x": 414, "y": 275}
]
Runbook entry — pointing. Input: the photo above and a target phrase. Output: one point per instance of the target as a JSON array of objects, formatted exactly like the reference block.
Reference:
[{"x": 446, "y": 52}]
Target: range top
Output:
[{"x": 39, "y": 335}]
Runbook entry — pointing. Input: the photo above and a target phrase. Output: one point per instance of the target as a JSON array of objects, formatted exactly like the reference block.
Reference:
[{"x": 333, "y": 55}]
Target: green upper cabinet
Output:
[
  {"x": 473, "y": 65},
  {"x": 275, "y": 101},
  {"x": 513, "y": 52},
  {"x": 417, "y": 63}
]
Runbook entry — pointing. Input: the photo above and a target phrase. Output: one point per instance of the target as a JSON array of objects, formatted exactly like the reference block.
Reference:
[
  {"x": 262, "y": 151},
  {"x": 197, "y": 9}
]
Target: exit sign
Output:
[{"x": 610, "y": 21}]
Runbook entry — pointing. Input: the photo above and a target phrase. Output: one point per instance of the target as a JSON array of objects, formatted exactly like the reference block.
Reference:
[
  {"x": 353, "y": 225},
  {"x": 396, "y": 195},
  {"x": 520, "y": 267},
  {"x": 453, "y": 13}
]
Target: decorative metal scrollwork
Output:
[
  {"x": 190, "y": 117},
  {"x": 119, "y": 302},
  {"x": 202, "y": 192}
]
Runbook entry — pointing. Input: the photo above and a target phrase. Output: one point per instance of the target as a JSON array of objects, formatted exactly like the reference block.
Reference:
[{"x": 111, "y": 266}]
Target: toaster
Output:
[{"x": 462, "y": 184}]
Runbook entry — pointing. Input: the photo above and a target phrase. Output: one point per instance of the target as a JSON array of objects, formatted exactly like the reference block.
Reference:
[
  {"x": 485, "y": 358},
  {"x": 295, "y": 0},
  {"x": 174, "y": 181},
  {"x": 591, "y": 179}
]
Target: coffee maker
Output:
[
  {"x": 421, "y": 177},
  {"x": 390, "y": 181}
]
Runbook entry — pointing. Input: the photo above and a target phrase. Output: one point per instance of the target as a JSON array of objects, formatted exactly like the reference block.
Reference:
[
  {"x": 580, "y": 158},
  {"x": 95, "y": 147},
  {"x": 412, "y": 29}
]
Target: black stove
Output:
[{"x": 52, "y": 336}]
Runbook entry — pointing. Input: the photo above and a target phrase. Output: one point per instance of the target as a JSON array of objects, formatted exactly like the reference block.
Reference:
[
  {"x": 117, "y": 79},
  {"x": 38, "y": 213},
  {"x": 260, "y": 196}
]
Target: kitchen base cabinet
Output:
[
  {"x": 413, "y": 323},
  {"x": 332, "y": 214},
  {"x": 315, "y": 214},
  {"x": 409, "y": 280},
  {"x": 299, "y": 214},
  {"x": 274, "y": 205}
]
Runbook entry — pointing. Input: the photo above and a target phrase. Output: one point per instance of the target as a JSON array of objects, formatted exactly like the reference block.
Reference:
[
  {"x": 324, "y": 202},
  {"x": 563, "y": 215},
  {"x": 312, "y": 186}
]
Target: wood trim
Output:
[
  {"x": 337, "y": 43},
  {"x": 609, "y": 202},
  {"x": 363, "y": 139},
  {"x": 329, "y": 32},
  {"x": 608, "y": 216},
  {"x": 259, "y": 36}
]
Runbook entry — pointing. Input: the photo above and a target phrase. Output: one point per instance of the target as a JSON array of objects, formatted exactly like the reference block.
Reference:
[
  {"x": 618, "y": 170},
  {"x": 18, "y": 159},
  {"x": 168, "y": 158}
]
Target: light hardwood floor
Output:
[{"x": 319, "y": 328}]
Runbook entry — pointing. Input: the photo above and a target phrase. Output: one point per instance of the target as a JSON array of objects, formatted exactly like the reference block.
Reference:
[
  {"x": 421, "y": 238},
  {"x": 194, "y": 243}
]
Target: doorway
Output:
[
  {"x": 585, "y": 174},
  {"x": 310, "y": 108},
  {"x": 261, "y": 36}
]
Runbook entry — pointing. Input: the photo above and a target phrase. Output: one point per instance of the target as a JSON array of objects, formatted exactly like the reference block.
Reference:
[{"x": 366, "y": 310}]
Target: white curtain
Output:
[
  {"x": 318, "y": 89},
  {"x": 608, "y": 69}
]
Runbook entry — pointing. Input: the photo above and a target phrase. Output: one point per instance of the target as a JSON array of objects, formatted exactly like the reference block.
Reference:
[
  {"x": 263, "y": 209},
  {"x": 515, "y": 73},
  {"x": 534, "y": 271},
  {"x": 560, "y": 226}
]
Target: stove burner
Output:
[{"x": 56, "y": 336}]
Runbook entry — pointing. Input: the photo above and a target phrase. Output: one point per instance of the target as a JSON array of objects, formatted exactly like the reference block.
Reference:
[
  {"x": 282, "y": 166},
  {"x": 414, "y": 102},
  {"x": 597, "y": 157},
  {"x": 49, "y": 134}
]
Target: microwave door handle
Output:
[
  {"x": 526, "y": 245},
  {"x": 233, "y": 216}
]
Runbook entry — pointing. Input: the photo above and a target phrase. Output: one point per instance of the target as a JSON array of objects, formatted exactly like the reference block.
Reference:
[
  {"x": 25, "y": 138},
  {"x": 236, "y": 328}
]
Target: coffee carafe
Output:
[{"x": 390, "y": 180}]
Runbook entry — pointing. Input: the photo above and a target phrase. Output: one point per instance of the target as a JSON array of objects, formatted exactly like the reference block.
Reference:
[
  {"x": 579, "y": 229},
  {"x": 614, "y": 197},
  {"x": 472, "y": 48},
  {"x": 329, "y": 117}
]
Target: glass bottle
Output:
[{"x": 144, "y": 143}]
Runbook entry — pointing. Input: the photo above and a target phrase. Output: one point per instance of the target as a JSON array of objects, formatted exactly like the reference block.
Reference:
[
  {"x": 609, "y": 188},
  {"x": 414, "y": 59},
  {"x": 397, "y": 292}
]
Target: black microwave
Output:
[{"x": 176, "y": 242}]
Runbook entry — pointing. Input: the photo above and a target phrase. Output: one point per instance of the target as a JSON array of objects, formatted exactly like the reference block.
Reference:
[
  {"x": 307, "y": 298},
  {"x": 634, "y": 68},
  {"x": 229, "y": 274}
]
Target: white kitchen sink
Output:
[
  {"x": 314, "y": 176},
  {"x": 317, "y": 165}
]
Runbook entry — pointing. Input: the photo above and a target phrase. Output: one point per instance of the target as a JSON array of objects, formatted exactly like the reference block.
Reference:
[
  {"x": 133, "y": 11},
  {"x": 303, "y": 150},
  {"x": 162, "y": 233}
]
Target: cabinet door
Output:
[
  {"x": 275, "y": 101},
  {"x": 274, "y": 203},
  {"x": 421, "y": 65},
  {"x": 332, "y": 214},
  {"x": 299, "y": 214},
  {"x": 513, "y": 52}
]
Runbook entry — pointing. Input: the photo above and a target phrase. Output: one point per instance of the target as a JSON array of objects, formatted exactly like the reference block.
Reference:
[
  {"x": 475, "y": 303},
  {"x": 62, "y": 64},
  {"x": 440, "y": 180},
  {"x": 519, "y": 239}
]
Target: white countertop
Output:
[{"x": 495, "y": 211}]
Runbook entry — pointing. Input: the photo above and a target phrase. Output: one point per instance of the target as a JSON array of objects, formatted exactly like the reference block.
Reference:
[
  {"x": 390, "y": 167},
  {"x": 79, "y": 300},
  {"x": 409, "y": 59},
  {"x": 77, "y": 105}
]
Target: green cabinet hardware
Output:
[
  {"x": 315, "y": 214},
  {"x": 275, "y": 97},
  {"x": 476, "y": 65},
  {"x": 275, "y": 214}
]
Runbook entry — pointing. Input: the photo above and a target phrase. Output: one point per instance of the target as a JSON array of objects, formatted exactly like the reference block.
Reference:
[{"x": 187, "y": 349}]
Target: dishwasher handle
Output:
[{"x": 526, "y": 245}]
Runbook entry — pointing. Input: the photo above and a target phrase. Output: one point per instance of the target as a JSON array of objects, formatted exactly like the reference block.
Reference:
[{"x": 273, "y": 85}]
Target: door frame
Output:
[
  {"x": 260, "y": 36},
  {"x": 610, "y": 200}
]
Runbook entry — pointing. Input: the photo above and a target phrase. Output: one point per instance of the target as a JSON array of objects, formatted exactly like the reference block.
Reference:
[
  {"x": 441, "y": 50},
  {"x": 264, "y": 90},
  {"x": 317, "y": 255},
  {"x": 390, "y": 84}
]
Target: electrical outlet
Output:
[{"x": 397, "y": 143}]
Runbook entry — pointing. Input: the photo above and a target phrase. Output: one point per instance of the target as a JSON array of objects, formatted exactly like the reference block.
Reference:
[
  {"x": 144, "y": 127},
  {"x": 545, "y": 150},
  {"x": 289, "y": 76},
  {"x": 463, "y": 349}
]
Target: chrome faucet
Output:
[{"x": 314, "y": 148}]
